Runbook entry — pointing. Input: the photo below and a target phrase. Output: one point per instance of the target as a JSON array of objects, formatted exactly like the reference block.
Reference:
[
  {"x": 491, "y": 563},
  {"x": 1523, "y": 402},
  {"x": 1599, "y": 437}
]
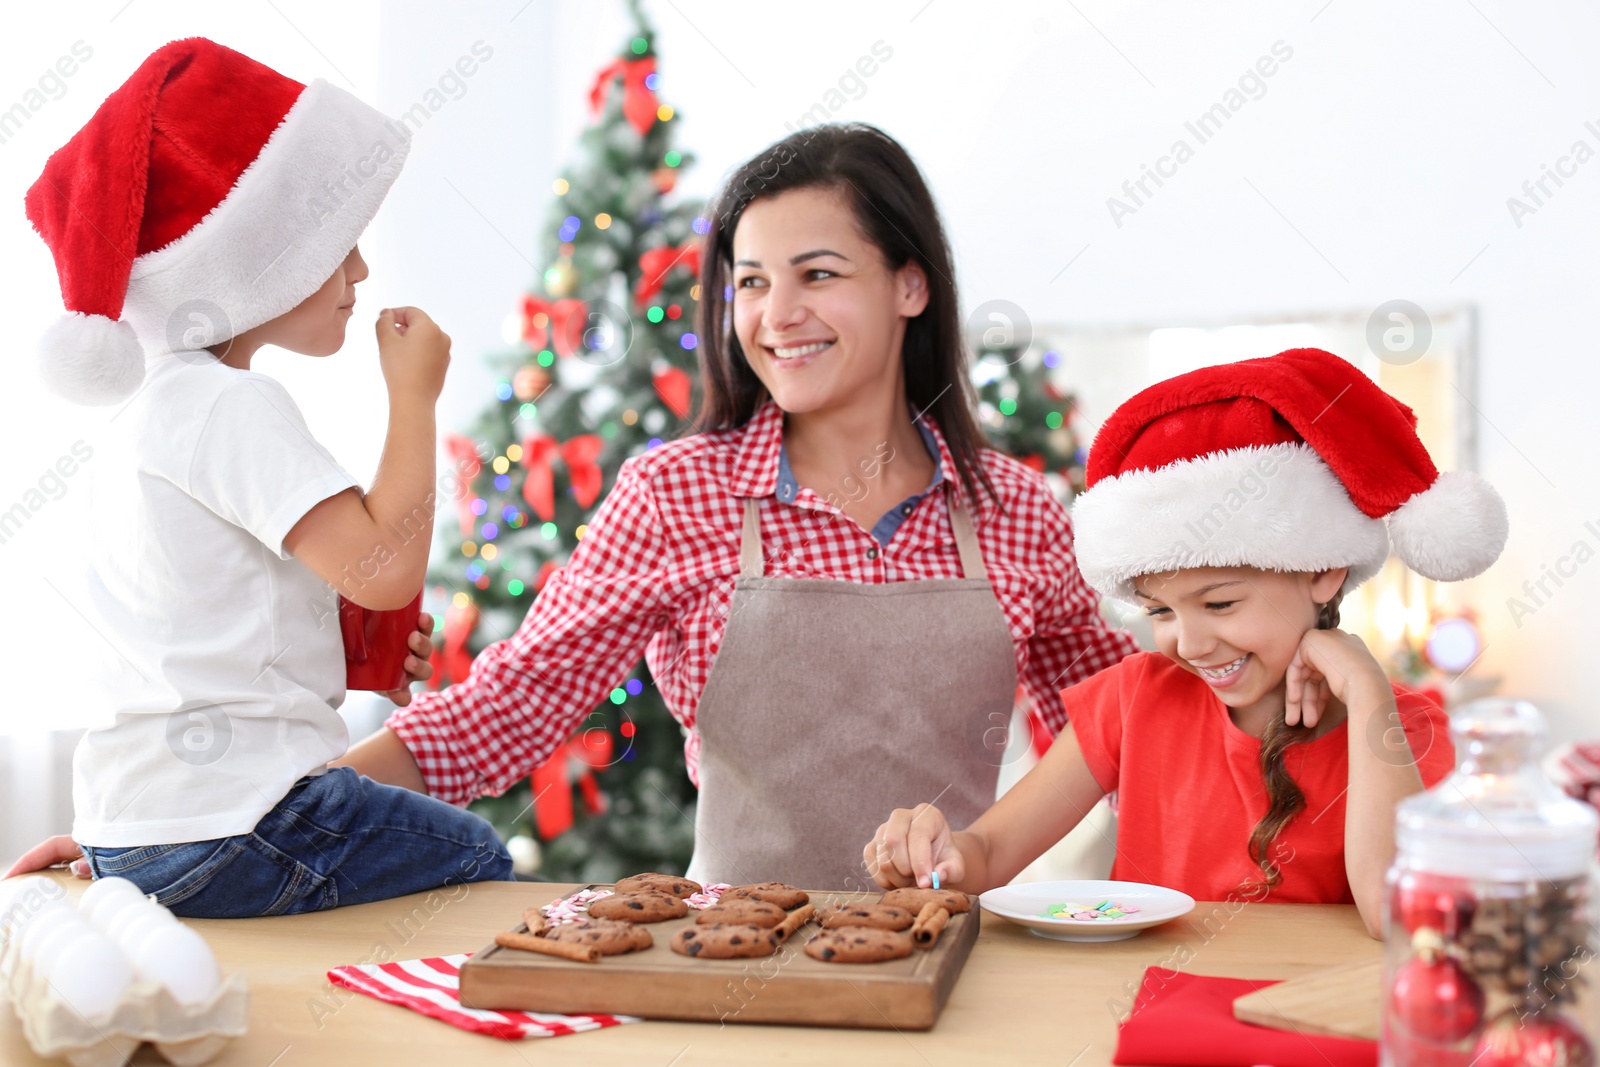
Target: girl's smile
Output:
[
  {"x": 1224, "y": 676},
  {"x": 1237, "y": 629}
]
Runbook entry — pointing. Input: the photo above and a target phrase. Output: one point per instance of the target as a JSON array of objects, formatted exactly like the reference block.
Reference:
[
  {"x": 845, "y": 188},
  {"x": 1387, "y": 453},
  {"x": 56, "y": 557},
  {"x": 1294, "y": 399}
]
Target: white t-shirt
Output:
[{"x": 228, "y": 664}]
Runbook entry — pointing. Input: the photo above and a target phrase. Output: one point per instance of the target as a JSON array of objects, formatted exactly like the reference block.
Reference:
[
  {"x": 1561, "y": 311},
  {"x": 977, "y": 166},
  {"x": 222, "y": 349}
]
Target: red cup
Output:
[{"x": 376, "y": 644}]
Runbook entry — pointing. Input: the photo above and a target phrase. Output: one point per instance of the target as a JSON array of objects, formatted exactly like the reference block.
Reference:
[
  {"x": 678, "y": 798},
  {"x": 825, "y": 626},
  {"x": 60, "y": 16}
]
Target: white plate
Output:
[{"x": 1025, "y": 903}]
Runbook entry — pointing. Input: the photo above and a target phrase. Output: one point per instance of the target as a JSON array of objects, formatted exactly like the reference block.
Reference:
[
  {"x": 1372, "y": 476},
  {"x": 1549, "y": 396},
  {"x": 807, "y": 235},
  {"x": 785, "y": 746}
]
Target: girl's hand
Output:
[
  {"x": 1328, "y": 662},
  {"x": 908, "y": 848},
  {"x": 417, "y": 665},
  {"x": 48, "y": 853}
]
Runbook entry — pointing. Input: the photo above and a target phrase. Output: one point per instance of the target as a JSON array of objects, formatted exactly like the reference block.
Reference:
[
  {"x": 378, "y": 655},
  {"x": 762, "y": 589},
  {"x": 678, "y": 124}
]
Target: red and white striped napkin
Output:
[{"x": 431, "y": 986}]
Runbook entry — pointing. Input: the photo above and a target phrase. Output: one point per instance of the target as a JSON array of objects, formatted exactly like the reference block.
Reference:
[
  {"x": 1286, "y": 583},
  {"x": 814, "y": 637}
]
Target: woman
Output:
[{"x": 835, "y": 585}]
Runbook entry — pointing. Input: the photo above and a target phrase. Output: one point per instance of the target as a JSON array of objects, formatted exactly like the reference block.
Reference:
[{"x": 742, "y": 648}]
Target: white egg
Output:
[
  {"x": 178, "y": 958},
  {"x": 134, "y": 924},
  {"x": 103, "y": 908},
  {"x": 24, "y": 898},
  {"x": 129, "y": 909},
  {"x": 58, "y": 942},
  {"x": 90, "y": 974},
  {"x": 101, "y": 888},
  {"x": 52, "y": 919}
]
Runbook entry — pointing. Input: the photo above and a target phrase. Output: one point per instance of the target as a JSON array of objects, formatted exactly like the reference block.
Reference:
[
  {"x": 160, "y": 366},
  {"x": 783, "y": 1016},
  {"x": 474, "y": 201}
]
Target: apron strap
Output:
[
  {"x": 753, "y": 565},
  {"x": 967, "y": 543}
]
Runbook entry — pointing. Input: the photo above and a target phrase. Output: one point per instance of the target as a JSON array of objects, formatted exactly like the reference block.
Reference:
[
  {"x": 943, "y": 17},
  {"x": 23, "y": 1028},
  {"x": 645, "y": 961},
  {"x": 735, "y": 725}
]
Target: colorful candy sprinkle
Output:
[
  {"x": 708, "y": 896},
  {"x": 575, "y": 909},
  {"x": 936, "y": 879},
  {"x": 1105, "y": 910}
]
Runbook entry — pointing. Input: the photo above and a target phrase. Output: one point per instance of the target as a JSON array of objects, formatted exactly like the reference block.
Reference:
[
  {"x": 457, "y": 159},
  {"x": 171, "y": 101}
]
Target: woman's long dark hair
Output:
[
  {"x": 1284, "y": 798},
  {"x": 894, "y": 211}
]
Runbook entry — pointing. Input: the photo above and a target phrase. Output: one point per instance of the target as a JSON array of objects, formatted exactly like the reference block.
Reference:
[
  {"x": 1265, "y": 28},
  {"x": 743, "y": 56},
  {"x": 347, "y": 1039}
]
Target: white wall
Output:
[{"x": 1376, "y": 166}]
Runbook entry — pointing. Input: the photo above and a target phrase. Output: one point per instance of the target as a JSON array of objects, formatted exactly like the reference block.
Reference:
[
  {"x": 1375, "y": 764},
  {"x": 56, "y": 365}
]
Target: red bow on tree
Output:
[
  {"x": 561, "y": 327},
  {"x": 673, "y": 387},
  {"x": 638, "y": 100},
  {"x": 453, "y": 663},
  {"x": 655, "y": 264},
  {"x": 574, "y": 762},
  {"x": 464, "y": 456},
  {"x": 580, "y": 454}
]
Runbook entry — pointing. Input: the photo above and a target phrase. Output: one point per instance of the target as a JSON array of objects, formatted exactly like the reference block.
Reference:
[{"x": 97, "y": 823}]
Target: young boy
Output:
[{"x": 213, "y": 206}]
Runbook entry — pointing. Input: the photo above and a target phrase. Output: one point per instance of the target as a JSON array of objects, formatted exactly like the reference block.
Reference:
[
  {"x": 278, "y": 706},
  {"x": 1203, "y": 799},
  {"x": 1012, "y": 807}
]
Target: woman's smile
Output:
[{"x": 796, "y": 354}]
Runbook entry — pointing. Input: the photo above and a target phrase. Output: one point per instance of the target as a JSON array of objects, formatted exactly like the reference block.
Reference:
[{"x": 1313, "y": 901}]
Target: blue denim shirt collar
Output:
[{"x": 788, "y": 489}]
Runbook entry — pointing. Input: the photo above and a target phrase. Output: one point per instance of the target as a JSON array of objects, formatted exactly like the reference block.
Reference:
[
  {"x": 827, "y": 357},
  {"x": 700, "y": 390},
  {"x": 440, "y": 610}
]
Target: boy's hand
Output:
[
  {"x": 417, "y": 665},
  {"x": 906, "y": 850},
  {"x": 48, "y": 853},
  {"x": 1328, "y": 662},
  {"x": 413, "y": 353}
]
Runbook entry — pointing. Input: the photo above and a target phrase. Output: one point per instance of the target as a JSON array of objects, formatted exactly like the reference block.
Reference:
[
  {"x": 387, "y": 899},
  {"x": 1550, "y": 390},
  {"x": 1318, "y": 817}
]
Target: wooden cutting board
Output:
[
  {"x": 787, "y": 987},
  {"x": 1338, "y": 1002}
]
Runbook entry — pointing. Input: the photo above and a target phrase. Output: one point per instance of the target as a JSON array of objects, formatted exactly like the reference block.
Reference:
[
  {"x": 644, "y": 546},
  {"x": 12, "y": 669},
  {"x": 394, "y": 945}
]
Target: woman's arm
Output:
[
  {"x": 1071, "y": 639},
  {"x": 528, "y": 693},
  {"x": 383, "y": 757}
]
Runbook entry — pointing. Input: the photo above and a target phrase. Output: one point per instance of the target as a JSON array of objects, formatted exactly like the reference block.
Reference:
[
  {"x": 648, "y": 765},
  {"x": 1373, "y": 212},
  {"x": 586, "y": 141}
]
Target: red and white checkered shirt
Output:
[{"x": 654, "y": 575}]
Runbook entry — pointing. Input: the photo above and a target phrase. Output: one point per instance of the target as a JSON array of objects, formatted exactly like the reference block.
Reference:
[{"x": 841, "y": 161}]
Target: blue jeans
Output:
[{"x": 334, "y": 839}]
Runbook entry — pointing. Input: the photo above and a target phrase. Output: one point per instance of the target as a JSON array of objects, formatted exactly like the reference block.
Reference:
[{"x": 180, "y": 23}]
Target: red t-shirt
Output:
[{"x": 1189, "y": 786}]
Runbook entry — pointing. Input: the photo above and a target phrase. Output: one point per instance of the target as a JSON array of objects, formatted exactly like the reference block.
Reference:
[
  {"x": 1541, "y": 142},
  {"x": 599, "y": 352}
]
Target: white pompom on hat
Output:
[
  {"x": 207, "y": 195},
  {"x": 1295, "y": 462}
]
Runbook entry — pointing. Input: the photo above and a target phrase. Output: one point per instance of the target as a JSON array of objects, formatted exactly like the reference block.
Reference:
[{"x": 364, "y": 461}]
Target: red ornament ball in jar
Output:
[
  {"x": 1533, "y": 1041},
  {"x": 1434, "y": 997},
  {"x": 1435, "y": 903}
]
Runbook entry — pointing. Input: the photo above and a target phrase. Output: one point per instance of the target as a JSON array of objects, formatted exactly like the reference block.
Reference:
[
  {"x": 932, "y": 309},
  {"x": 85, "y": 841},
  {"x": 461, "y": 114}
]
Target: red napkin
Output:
[{"x": 1186, "y": 1020}]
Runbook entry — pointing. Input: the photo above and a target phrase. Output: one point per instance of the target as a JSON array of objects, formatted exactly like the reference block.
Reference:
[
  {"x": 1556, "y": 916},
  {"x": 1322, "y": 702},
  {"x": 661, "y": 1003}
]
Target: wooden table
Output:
[{"x": 1021, "y": 999}]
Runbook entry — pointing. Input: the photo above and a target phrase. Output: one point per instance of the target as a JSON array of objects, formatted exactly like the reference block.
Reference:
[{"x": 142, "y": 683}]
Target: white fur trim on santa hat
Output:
[
  {"x": 1452, "y": 530},
  {"x": 1276, "y": 507},
  {"x": 279, "y": 234},
  {"x": 90, "y": 359}
]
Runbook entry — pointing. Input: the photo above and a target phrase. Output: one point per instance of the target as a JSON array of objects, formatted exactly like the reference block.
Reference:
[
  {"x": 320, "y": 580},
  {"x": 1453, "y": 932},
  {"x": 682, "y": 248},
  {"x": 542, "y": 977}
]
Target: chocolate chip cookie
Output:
[
  {"x": 784, "y": 896},
  {"x": 723, "y": 941},
  {"x": 649, "y": 906},
  {"x": 879, "y": 916},
  {"x": 952, "y": 900},
  {"x": 858, "y": 944},
  {"x": 744, "y": 910},
  {"x": 667, "y": 883},
  {"x": 610, "y": 937}
]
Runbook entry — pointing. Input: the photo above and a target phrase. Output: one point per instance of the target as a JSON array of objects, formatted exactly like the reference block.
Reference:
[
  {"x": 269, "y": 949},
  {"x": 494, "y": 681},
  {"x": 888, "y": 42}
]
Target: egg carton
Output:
[{"x": 185, "y": 1035}]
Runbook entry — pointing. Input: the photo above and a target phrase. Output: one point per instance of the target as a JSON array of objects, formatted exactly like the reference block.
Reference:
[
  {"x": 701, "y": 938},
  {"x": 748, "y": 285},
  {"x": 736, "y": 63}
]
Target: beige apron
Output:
[{"x": 832, "y": 703}]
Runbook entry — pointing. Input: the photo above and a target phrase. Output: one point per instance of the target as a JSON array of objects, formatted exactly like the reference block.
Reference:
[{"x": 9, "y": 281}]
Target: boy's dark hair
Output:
[{"x": 895, "y": 211}]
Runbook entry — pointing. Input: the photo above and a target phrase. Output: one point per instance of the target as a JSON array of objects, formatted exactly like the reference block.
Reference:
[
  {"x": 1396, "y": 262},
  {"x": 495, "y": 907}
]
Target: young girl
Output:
[
  {"x": 1261, "y": 750},
  {"x": 211, "y": 206}
]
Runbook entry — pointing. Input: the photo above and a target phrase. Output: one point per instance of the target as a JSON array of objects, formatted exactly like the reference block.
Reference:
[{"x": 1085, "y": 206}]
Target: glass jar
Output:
[{"x": 1489, "y": 943}]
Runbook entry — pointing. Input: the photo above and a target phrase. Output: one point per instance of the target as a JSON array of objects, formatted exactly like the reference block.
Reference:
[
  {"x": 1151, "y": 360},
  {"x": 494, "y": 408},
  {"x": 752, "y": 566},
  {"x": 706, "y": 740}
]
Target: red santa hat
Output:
[
  {"x": 207, "y": 195},
  {"x": 1290, "y": 463}
]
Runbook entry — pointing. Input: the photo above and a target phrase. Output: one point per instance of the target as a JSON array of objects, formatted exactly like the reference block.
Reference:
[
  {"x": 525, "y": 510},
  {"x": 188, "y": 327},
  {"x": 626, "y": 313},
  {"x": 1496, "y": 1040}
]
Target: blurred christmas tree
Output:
[
  {"x": 601, "y": 368},
  {"x": 1026, "y": 414},
  {"x": 600, "y": 371}
]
